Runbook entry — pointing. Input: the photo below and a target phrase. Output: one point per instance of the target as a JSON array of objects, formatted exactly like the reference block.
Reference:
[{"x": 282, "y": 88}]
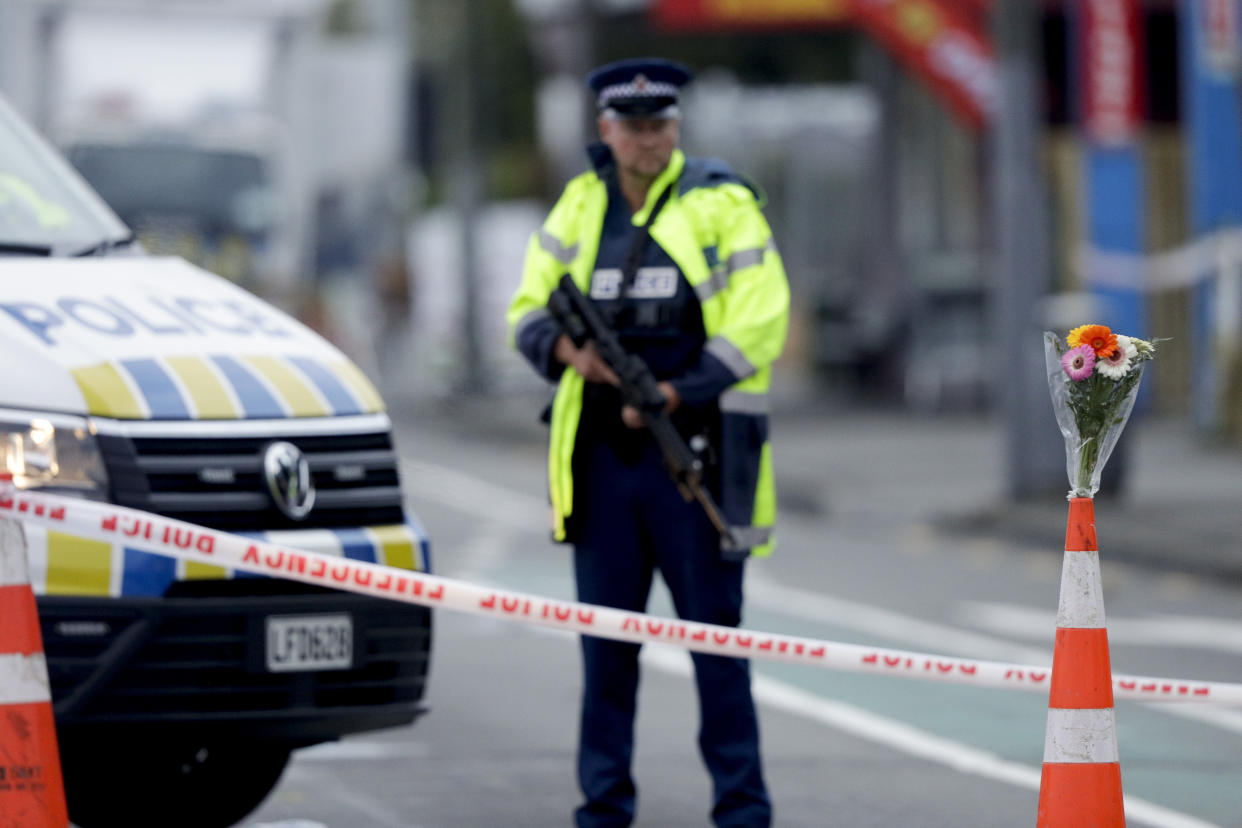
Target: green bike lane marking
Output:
[
  {"x": 1184, "y": 765},
  {"x": 1181, "y": 764}
]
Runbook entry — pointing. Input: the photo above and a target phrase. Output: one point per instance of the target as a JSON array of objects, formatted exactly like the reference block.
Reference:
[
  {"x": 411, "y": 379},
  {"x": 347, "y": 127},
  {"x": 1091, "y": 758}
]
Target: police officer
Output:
[{"x": 676, "y": 253}]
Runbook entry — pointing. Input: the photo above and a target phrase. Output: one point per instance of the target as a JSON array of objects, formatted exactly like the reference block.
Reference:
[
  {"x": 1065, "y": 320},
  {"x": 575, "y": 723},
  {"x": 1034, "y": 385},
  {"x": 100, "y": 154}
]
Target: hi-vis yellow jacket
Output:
[{"x": 713, "y": 229}]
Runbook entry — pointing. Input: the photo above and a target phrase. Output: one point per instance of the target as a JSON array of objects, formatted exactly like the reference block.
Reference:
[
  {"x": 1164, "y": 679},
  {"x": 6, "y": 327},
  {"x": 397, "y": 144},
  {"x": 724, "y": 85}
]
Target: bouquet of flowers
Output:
[{"x": 1094, "y": 378}]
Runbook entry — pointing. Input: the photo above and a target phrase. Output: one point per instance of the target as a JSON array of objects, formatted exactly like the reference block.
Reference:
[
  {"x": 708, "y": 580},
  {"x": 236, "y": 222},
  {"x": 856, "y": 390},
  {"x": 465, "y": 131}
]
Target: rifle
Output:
[{"x": 583, "y": 323}]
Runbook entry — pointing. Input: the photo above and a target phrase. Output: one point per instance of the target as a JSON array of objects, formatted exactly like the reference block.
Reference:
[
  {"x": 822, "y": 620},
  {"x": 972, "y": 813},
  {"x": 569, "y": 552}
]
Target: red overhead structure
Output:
[
  {"x": 749, "y": 14},
  {"x": 944, "y": 42}
]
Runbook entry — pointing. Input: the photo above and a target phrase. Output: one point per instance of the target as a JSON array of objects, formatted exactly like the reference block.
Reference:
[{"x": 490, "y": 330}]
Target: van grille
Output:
[
  {"x": 198, "y": 655},
  {"x": 217, "y": 481}
]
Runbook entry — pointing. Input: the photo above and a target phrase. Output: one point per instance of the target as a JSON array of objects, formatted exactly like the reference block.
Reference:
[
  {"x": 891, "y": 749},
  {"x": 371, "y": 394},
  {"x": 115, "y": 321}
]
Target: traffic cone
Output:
[
  {"x": 32, "y": 790},
  {"x": 1081, "y": 781}
]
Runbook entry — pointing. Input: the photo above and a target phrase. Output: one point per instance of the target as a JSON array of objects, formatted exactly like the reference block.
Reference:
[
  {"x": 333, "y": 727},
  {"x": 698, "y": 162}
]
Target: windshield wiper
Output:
[
  {"x": 104, "y": 246},
  {"x": 26, "y": 249}
]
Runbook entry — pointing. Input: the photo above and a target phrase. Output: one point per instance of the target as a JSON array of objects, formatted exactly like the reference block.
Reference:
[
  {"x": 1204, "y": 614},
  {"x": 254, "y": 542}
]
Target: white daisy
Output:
[{"x": 1117, "y": 365}]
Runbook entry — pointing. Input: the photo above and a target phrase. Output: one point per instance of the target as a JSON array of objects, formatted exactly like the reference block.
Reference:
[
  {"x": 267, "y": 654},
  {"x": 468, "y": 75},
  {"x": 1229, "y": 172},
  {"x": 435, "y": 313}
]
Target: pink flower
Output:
[{"x": 1079, "y": 362}]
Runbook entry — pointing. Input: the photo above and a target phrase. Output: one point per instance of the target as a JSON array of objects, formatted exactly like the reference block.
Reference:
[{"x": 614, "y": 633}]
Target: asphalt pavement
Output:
[{"x": 896, "y": 532}]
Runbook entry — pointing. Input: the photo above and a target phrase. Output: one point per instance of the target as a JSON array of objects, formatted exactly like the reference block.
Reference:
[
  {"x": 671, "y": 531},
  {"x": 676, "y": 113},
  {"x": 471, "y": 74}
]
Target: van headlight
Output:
[{"x": 54, "y": 454}]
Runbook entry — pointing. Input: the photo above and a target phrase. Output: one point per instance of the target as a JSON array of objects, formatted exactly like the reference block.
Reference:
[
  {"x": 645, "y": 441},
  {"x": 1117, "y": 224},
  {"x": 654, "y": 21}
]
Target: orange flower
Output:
[{"x": 1102, "y": 340}]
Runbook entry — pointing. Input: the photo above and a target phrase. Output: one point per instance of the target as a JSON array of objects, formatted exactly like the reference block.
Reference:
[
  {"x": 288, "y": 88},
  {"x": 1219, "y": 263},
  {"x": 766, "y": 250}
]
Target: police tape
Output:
[{"x": 178, "y": 539}]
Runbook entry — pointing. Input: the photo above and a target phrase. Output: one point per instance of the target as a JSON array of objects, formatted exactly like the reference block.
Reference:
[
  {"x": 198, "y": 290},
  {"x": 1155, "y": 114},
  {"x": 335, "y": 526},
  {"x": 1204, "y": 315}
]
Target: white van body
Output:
[{"x": 151, "y": 383}]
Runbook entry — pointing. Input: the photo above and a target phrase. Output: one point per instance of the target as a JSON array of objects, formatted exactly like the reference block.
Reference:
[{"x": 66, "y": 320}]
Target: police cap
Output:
[{"x": 639, "y": 87}]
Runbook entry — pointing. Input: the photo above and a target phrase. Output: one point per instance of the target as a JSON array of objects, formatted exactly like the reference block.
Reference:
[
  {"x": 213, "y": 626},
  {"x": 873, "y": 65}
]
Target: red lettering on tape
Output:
[
  {"x": 1127, "y": 685},
  {"x": 341, "y": 573},
  {"x": 720, "y": 638},
  {"x": 870, "y": 658},
  {"x": 184, "y": 542},
  {"x": 563, "y": 613},
  {"x": 252, "y": 554},
  {"x": 385, "y": 583},
  {"x": 1038, "y": 677},
  {"x": 892, "y": 661},
  {"x": 699, "y": 635},
  {"x": 509, "y": 605},
  {"x": 401, "y": 583},
  {"x": 968, "y": 669},
  {"x": 1202, "y": 691},
  {"x": 109, "y": 523},
  {"x": 631, "y": 624},
  {"x": 765, "y": 645},
  {"x": 38, "y": 510},
  {"x": 944, "y": 668},
  {"x": 1147, "y": 688},
  {"x": 6, "y": 502},
  {"x": 58, "y": 513},
  {"x": 274, "y": 561},
  {"x": 319, "y": 566},
  {"x": 207, "y": 545},
  {"x": 655, "y": 627},
  {"x": 817, "y": 652},
  {"x": 744, "y": 640},
  {"x": 437, "y": 593},
  {"x": 489, "y": 602},
  {"x": 296, "y": 563},
  {"x": 358, "y": 577},
  {"x": 586, "y": 617}
]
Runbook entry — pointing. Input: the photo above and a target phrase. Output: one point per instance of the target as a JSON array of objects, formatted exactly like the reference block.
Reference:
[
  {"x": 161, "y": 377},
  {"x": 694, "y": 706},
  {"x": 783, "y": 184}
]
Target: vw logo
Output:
[{"x": 289, "y": 479}]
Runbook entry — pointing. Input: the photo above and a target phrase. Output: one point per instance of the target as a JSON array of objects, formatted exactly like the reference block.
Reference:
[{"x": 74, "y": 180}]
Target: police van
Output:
[{"x": 179, "y": 688}]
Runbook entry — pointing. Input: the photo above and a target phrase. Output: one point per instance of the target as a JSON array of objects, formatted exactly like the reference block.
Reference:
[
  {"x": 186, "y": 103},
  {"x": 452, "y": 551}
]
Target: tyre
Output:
[{"x": 195, "y": 784}]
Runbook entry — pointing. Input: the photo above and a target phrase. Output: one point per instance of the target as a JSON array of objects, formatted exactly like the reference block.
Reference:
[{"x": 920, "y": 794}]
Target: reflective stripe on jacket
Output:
[{"x": 713, "y": 229}]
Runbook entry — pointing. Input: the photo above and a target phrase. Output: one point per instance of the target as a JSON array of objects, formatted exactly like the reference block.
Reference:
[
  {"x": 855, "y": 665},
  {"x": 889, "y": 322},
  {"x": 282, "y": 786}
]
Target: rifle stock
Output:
[{"x": 582, "y": 322}]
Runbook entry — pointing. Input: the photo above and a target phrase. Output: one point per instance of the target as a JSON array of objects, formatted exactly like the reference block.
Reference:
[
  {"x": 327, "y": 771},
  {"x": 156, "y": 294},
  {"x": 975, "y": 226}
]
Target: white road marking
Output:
[
  {"x": 355, "y": 749},
  {"x": 475, "y": 496},
  {"x": 762, "y": 592},
  {"x": 1153, "y": 631}
]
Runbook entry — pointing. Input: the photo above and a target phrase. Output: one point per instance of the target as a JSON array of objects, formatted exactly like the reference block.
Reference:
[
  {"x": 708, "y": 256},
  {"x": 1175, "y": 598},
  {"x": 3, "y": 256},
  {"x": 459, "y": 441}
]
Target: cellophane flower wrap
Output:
[{"x": 1094, "y": 377}]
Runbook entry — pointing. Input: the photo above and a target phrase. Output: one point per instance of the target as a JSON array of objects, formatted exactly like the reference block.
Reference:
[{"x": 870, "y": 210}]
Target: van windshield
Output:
[{"x": 43, "y": 202}]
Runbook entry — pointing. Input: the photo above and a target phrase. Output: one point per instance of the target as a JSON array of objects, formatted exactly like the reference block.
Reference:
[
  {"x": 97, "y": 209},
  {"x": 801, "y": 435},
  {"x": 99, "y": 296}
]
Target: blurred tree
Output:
[
  {"x": 343, "y": 18},
  {"x": 502, "y": 75}
]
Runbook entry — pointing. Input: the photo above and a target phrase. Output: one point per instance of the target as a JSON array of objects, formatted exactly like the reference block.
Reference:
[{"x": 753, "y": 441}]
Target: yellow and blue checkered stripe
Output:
[
  {"x": 64, "y": 564},
  {"x": 224, "y": 387}
]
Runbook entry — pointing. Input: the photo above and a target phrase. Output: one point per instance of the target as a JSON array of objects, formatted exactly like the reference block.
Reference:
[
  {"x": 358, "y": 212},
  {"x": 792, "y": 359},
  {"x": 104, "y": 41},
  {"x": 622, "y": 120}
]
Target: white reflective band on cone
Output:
[
  {"x": 1081, "y": 736},
  {"x": 13, "y": 569},
  {"x": 183, "y": 540},
  {"x": 23, "y": 679},
  {"x": 1082, "y": 599}
]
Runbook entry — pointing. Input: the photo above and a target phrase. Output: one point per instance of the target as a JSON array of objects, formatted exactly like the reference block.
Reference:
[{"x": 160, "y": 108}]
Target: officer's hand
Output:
[
  {"x": 586, "y": 361},
  {"x": 631, "y": 416}
]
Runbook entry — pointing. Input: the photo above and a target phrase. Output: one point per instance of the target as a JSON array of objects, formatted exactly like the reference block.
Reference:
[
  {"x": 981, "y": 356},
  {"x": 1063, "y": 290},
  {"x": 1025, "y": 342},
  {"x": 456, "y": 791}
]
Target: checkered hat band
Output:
[{"x": 633, "y": 90}]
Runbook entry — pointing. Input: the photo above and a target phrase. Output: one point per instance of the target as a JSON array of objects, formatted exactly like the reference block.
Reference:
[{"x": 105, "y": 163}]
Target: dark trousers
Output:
[{"x": 631, "y": 521}]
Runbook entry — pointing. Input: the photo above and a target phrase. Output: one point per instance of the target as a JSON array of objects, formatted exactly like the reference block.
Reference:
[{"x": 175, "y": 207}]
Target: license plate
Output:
[{"x": 309, "y": 642}]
